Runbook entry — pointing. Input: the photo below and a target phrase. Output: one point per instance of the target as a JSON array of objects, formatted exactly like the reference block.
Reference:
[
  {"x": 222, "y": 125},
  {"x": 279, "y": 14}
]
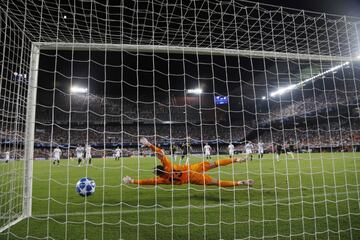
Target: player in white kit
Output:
[
  {"x": 7, "y": 156},
  {"x": 249, "y": 150},
  {"x": 261, "y": 149},
  {"x": 57, "y": 155},
  {"x": 79, "y": 154},
  {"x": 88, "y": 154},
  {"x": 117, "y": 153},
  {"x": 231, "y": 149},
  {"x": 207, "y": 150}
]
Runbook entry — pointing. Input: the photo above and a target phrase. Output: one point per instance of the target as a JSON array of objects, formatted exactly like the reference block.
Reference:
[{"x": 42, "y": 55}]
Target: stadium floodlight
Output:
[
  {"x": 19, "y": 76},
  {"x": 283, "y": 90},
  {"x": 195, "y": 91},
  {"x": 263, "y": 98},
  {"x": 77, "y": 89}
]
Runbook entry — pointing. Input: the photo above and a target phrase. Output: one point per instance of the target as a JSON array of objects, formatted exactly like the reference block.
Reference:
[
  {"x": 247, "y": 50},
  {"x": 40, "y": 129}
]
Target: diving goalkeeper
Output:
[{"x": 177, "y": 174}]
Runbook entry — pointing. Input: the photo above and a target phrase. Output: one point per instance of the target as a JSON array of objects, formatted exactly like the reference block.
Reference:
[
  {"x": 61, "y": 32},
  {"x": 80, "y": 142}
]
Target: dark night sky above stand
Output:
[
  {"x": 173, "y": 72},
  {"x": 343, "y": 7}
]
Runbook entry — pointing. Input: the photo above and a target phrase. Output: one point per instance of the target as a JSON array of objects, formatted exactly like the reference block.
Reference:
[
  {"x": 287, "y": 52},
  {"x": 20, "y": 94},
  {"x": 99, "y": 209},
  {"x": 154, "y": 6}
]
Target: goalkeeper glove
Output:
[
  {"x": 144, "y": 142},
  {"x": 127, "y": 180}
]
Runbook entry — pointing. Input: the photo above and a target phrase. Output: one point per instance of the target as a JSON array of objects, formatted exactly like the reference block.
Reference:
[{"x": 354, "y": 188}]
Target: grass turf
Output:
[{"x": 313, "y": 196}]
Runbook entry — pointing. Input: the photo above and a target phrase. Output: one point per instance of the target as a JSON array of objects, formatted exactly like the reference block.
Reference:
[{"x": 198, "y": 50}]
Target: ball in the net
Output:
[{"x": 85, "y": 187}]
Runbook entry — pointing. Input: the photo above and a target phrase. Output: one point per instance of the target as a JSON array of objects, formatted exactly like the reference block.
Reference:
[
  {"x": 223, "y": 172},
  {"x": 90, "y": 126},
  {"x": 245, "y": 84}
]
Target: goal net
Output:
[{"x": 271, "y": 92}]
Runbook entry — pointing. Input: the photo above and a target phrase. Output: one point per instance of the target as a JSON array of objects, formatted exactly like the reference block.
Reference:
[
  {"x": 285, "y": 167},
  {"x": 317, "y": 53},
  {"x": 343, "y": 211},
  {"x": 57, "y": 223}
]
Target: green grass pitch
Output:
[{"x": 315, "y": 196}]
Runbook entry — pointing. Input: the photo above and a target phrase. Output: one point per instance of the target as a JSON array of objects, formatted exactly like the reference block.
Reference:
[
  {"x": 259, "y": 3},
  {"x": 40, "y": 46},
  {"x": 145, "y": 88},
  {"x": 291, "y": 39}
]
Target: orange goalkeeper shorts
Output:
[
  {"x": 200, "y": 179},
  {"x": 200, "y": 167}
]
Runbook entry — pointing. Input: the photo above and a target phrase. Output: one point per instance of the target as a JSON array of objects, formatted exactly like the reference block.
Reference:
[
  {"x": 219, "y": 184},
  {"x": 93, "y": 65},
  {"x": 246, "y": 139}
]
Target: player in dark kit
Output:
[
  {"x": 277, "y": 149},
  {"x": 173, "y": 151},
  {"x": 290, "y": 150},
  {"x": 185, "y": 148}
]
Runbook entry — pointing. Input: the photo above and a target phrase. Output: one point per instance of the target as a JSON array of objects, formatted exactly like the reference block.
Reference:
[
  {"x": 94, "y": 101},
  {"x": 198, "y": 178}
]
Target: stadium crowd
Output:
[
  {"x": 175, "y": 124},
  {"x": 316, "y": 103},
  {"x": 326, "y": 135},
  {"x": 316, "y": 136}
]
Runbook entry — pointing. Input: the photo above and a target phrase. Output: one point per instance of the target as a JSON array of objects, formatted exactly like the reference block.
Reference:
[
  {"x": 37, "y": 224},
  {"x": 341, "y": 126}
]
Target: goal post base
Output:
[{"x": 3, "y": 228}]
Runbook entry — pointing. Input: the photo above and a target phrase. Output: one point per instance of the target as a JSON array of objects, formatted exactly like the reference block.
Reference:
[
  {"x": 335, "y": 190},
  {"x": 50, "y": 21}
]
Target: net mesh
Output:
[
  {"x": 14, "y": 57},
  {"x": 183, "y": 74}
]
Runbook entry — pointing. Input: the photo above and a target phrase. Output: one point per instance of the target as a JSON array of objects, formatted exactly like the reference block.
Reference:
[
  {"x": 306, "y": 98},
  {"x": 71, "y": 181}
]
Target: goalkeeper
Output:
[{"x": 177, "y": 174}]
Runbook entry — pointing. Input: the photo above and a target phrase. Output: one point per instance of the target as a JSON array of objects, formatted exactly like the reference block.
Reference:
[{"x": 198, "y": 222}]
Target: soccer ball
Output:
[{"x": 85, "y": 187}]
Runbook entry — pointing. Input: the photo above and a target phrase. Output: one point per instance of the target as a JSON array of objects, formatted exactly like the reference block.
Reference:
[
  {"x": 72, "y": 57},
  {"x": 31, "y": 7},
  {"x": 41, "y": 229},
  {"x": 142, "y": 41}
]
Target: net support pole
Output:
[{"x": 30, "y": 129}]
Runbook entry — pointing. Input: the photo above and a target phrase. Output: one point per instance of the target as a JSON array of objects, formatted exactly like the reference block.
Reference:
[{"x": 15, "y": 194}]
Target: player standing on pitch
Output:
[
  {"x": 249, "y": 149},
  {"x": 277, "y": 150},
  {"x": 173, "y": 152},
  {"x": 207, "y": 151},
  {"x": 79, "y": 154},
  {"x": 185, "y": 147},
  {"x": 231, "y": 149},
  {"x": 88, "y": 155},
  {"x": 261, "y": 149},
  {"x": 177, "y": 174},
  {"x": 290, "y": 150},
  {"x": 57, "y": 155},
  {"x": 117, "y": 153},
  {"x": 7, "y": 156}
]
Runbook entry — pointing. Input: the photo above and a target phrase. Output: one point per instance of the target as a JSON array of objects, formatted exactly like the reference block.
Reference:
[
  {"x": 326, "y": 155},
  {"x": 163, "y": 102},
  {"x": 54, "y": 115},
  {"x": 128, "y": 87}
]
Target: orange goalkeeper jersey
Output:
[
  {"x": 175, "y": 173},
  {"x": 179, "y": 174}
]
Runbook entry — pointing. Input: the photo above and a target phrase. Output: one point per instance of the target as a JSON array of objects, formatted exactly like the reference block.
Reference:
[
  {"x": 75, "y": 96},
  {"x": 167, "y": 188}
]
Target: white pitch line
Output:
[{"x": 186, "y": 207}]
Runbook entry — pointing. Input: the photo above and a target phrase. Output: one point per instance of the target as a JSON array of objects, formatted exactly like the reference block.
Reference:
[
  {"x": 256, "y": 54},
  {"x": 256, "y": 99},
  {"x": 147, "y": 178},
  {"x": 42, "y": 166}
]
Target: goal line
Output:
[{"x": 151, "y": 209}]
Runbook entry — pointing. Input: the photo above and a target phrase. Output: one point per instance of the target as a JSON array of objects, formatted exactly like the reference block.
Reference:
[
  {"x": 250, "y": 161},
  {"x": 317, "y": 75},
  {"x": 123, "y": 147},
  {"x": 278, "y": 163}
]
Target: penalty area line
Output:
[{"x": 185, "y": 207}]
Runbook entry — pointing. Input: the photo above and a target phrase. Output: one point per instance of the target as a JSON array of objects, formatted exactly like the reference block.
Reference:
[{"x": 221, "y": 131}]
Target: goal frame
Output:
[
  {"x": 36, "y": 47},
  {"x": 29, "y": 137},
  {"x": 187, "y": 50}
]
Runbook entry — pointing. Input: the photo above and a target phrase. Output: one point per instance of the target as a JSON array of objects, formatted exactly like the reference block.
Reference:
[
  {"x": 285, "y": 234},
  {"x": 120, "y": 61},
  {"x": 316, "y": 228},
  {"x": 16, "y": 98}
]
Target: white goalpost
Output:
[{"x": 280, "y": 84}]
